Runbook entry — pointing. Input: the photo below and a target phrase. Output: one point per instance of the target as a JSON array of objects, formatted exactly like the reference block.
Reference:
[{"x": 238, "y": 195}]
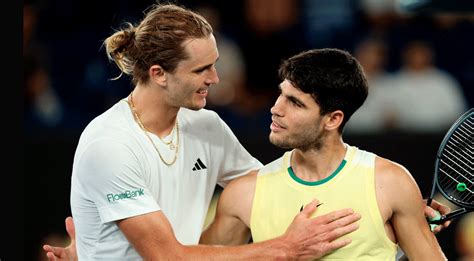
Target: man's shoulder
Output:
[
  {"x": 392, "y": 174},
  {"x": 112, "y": 125},
  {"x": 204, "y": 123},
  {"x": 202, "y": 119},
  {"x": 111, "y": 119},
  {"x": 388, "y": 167},
  {"x": 279, "y": 164},
  {"x": 243, "y": 181},
  {"x": 242, "y": 189}
]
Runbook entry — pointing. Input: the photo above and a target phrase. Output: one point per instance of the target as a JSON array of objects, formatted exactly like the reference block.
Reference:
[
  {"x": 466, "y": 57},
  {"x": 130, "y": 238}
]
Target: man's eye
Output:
[{"x": 295, "y": 103}]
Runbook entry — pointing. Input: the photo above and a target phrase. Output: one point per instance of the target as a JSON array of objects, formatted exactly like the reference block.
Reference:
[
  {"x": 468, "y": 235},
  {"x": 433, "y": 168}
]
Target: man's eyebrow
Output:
[
  {"x": 292, "y": 98},
  {"x": 200, "y": 68},
  {"x": 296, "y": 100}
]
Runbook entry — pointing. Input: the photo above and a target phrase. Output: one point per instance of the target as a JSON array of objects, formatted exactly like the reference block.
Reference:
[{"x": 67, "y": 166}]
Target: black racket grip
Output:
[{"x": 440, "y": 219}]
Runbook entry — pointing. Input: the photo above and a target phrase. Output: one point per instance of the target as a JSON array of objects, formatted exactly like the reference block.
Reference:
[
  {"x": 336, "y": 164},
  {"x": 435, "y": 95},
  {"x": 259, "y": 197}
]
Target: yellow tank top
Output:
[{"x": 280, "y": 194}]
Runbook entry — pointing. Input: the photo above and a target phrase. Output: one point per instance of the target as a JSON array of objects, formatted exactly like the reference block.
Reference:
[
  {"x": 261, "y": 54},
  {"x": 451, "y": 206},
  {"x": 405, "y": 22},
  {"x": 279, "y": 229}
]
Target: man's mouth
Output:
[{"x": 202, "y": 91}]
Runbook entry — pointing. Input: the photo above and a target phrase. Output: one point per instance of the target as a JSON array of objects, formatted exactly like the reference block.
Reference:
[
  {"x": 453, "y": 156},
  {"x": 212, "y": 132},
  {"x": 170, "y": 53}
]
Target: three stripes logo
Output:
[{"x": 199, "y": 165}]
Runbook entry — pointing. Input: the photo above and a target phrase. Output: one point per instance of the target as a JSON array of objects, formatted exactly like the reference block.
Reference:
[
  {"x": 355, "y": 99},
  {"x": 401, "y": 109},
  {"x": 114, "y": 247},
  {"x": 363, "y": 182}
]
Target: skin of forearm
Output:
[{"x": 275, "y": 249}]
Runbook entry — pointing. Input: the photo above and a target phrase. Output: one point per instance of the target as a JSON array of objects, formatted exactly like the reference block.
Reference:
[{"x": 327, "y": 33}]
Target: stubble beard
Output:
[
  {"x": 186, "y": 101},
  {"x": 194, "y": 107},
  {"x": 304, "y": 141}
]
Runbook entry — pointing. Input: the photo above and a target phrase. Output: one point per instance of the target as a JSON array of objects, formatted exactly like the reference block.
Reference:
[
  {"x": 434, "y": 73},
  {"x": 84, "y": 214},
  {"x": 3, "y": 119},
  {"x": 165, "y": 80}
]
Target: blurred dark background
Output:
[{"x": 417, "y": 55}]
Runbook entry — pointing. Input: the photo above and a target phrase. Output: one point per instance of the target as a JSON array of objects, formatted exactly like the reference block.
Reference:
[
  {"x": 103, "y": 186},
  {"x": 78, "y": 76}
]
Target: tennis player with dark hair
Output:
[
  {"x": 320, "y": 90},
  {"x": 144, "y": 171}
]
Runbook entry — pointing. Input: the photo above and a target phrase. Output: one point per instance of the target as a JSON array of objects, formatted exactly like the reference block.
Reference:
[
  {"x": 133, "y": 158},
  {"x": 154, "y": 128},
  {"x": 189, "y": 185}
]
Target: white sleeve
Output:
[
  {"x": 236, "y": 160},
  {"x": 109, "y": 174}
]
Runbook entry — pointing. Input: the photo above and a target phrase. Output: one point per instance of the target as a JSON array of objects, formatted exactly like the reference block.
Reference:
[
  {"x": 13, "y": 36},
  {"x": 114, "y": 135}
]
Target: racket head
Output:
[{"x": 454, "y": 164}]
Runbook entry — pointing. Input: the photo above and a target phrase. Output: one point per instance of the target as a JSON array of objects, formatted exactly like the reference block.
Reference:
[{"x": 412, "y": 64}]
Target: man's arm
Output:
[
  {"x": 399, "y": 190},
  {"x": 231, "y": 224},
  {"x": 153, "y": 238},
  {"x": 217, "y": 233},
  {"x": 232, "y": 221},
  {"x": 152, "y": 235}
]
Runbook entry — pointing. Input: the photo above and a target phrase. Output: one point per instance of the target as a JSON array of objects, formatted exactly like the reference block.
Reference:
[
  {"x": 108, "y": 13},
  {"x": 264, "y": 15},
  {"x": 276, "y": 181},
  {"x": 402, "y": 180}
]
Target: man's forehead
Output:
[
  {"x": 200, "y": 52},
  {"x": 289, "y": 89}
]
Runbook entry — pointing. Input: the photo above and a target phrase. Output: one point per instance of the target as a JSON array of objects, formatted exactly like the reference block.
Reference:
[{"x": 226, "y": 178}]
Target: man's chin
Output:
[
  {"x": 195, "y": 107},
  {"x": 279, "y": 143}
]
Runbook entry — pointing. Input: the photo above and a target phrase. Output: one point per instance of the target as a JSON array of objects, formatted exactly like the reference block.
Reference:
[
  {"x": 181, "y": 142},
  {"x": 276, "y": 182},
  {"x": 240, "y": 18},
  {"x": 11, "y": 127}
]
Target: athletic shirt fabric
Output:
[
  {"x": 279, "y": 196},
  {"x": 117, "y": 174}
]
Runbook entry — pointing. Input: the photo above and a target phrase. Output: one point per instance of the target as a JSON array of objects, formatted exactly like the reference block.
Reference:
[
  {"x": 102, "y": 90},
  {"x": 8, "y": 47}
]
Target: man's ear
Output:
[
  {"x": 157, "y": 75},
  {"x": 334, "y": 120}
]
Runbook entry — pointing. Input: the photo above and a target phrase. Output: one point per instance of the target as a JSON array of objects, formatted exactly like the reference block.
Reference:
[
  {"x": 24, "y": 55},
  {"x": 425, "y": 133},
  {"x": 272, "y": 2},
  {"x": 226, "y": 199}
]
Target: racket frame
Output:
[{"x": 436, "y": 187}]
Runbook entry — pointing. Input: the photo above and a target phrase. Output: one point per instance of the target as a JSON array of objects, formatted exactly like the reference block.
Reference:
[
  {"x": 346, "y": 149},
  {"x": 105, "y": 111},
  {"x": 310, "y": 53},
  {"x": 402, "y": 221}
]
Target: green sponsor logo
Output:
[{"x": 124, "y": 195}]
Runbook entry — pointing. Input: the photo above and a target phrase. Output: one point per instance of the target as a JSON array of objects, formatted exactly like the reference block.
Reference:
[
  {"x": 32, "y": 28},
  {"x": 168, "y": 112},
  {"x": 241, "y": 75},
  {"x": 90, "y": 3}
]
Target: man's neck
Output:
[
  {"x": 314, "y": 165},
  {"x": 154, "y": 112}
]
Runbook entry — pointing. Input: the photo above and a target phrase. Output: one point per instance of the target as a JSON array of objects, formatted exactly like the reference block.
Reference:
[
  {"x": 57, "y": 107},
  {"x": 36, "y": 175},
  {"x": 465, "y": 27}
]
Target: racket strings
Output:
[
  {"x": 466, "y": 130},
  {"x": 457, "y": 163}
]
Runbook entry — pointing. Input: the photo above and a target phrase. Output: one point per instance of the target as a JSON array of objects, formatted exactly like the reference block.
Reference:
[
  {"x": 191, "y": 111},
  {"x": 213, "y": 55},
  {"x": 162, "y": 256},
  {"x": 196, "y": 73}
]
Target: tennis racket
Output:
[{"x": 454, "y": 168}]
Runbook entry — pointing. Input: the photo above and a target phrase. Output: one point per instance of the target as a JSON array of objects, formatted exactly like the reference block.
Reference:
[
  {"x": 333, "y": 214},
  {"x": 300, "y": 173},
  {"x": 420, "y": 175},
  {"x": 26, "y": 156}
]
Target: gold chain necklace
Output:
[
  {"x": 168, "y": 143},
  {"x": 145, "y": 130}
]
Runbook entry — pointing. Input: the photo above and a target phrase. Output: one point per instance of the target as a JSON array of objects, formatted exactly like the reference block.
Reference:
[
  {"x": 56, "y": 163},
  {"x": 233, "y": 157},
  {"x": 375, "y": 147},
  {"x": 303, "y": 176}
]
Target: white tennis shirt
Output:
[{"x": 118, "y": 174}]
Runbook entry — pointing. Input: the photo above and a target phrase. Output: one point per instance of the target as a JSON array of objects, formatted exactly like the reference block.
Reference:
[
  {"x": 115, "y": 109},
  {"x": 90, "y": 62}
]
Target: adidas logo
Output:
[{"x": 199, "y": 165}]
